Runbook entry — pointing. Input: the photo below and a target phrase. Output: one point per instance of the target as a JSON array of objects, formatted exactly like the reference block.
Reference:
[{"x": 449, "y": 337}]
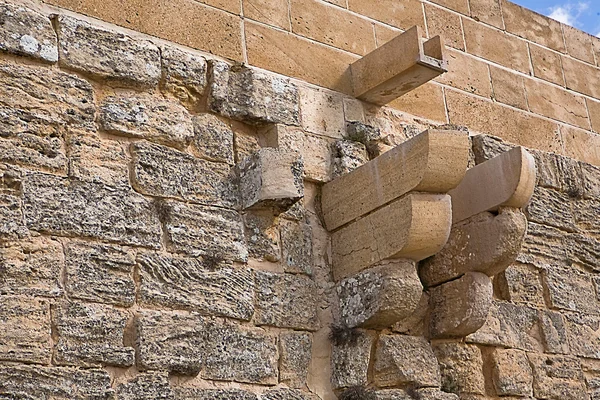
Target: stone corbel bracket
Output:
[{"x": 399, "y": 66}]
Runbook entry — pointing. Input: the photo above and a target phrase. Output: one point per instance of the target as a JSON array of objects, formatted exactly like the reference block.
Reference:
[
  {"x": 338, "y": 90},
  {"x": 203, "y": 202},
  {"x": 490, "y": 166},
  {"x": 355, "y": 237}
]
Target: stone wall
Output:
[{"x": 135, "y": 266}]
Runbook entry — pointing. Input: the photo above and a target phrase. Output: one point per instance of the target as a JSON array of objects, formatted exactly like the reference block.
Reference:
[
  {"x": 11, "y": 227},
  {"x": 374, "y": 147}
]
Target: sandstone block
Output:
[
  {"x": 322, "y": 110},
  {"x": 252, "y": 96},
  {"x": 543, "y": 245},
  {"x": 11, "y": 215},
  {"x": 583, "y": 250},
  {"x": 521, "y": 283},
  {"x": 27, "y": 32},
  {"x": 286, "y": 301},
  {"x": 509, "y": 87},
  {"x": 557, "y": 377},
  {"x": 297, "y": 247},
  {"x": 434, "y": 394},
  {"x": 100, "y": 273},
  {"x": 206, "y": 231},
  {"x": 461, "y": 368},
  {"x": 295, "y": 352},
  {"x": 512, "y": 375},
  {"x": 585, "y": 212},
  {"x": 415, "y": 324},
  {"x": 591, "y": 181},
  {"x": 380, "y": 296},
  {"x": 271, "y": 178},
  {"x": 559, "y": 173},
  {"x": 284, "y": 393},
  {"x": 213, "y": 139},
  {"x": 147, "y": 386},
  {"x": 182, "y": 393},
  {"x": 143, "y": 116},
  {"x": 262, "y": 235},
  {"x": 164, "y": 172},
  {"x": 203, "y": 285},
  {"x": 348, "y": 156},
  {"x": 552, "y": 208},
  {"x": 582, "y": 333},
  {"x": 554, "y": 332},
  {"x": 25, "y": 335},
  {"x": 405, "y": 360},
  {"x": 106, "y": 54},
  {"x": 74, "y": 208},
  {"x": 350, "y": 361},
  {"x": 90, "y": 335},
  {"x": 487, "y": 147},
  {"x": 183, "y": 74},
  {"x": 571, "y": 290}
]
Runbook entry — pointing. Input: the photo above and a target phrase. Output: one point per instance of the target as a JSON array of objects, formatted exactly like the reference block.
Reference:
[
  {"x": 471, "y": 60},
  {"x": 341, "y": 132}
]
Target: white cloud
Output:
[{"x": 569, "y": 13}]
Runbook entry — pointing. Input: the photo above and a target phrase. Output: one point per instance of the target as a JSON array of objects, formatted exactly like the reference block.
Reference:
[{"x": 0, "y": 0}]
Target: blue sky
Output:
[{"x": 582, "y": 14}]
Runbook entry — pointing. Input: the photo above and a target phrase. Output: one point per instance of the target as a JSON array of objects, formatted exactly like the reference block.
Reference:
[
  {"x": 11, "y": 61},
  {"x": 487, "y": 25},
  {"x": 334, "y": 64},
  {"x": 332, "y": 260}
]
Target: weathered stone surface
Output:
[
  {"x": 583, "y": 250},
  {"x": 557, "y": 377},
  {"x": 350, "y": 361},
  {"x": 295, "y": 353},
  {"x": 591, "y": 181},
  {"x": 401, "y": 360},
  {"x": 286, "y": 301},
  {"x": 283, "y": 393},
  {"x": 362, "y": 133},
  {"x": 416, "y": 323},
  {"x": 554, "y": 332},
  {"x": 183, "y": 74},
  {"x": 552, "y": 208},
  {"x": 12, "y": 225},
  {"x": 559, "y": 173},
  {"x": 143, "y": 116},
  {"x": 389, "y": 394},
  {"x": 203, "y": 285},
  {"x": 147, "y": 386},
  {"x": 182, "y": 393},
  {"x": 433, "y": 394},
  {"x": 164, "y": 172},
  {"x": 347, "y": 156},
  {"x": 571, "y": 290},
  {"x": 380, "y": 296},
  {"x": 90, "y": 335},
  {"x": 106, "y": 54},
  {"x": 251, "y": 96},
  {"x": 34, "y": 382},
  {"x": 204, "y": 231},
  {"x": 487, "y": 147},
  {"x": 27, "y": 32},
  {"x": 100, "y": 273},
  {"x": 31, "y": 267},
  {"x": 74, "y": 208},
  {"x": 512, "y": 373},
  {"x": 542, "y": 246},
  {"x": 25, "y": 334},
  {"x": 271, "y": 178},
  {"x": 582, "y": 331},
  {"x": 461, "y": 368},
  {"x": 213, "y": 139},
  {"x": 460, "y": 307},
  {"x": 586, "y": 212},
  {"x": 297, "y": 247},
  {"x": 262, "y": 235},
  {"x": 521, "y": 283}
]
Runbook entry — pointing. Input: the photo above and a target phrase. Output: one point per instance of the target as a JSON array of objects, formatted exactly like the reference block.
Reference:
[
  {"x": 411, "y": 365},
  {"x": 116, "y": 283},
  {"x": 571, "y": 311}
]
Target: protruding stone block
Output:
[
  {"x": 380, "y": 296},
  {"x": 434, "y": 161},
  {"x": 460, "y": 307},
  {"x": 484, "y": 243},
  {"x": 271, "y": 178}
]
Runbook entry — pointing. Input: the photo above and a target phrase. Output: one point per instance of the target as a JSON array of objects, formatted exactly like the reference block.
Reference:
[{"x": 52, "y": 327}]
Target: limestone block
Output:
[
  {"x": 583, "y": 250},
  {"x": 559, "y": 173},
  {"x": 146, "y": 386},
  {"x": 107, "y": 54},
  {"x": 460, "y": 307},
  {"x": 206, "y": 231},
  {"x": 543, "y": 245},
  {"x": 557, "y": 377},
  {"x": 204, "y": 285},
  {"x": 582, "y": 333},
  {"x": 380, "y": 296},
  {"x": 485, "y": 243},
  {"x": 17, "y": 381},
  {"x": 286, "y": 301},
  {"x": 511, "y": 373},
  {"x": 183, "y": 74},
  {"x": 591, "y": 181},
  {"x": 100, "y": 273},
  {"x": 74, "y": 208},
  {"x": 297, "y": 247},
  {"x": 322, "y": 111},
  {"x": 402, "y": 360},
  {"x": 183, "y": 393},
  {"x": 252, "y": 96},
  {"x": 348, "y": 156},
  {"x": 271, "y": 178},
  {"x": 213, "y": 139},
  {"x": 521, "y": 283},
  {"x": 415, "y": 324},
  {"x": 571, "y": 290},
  {"x": 284, "y": 393},
  {"x": 90, "y": 335},
  {"x": 554, "y": 332},
  {"x": 31, "y": 267},
  {"x": 434, "y": 161},
  {"x": 25, "y": 335},
  {"x": 147, "y": 117},
  {"x": 413, "y": 227},
  {"x": 461, "y": 368},
  {"x": 165, "y": 172},
  {"x": 585, "y": 213},
  {"x": 295, "y": 352},
  {"x": 505, "y": 180},
  {"x": 262, "y": 230},
  {"x": 553, "y": 208},
  {"x": 350, "y": 362}
]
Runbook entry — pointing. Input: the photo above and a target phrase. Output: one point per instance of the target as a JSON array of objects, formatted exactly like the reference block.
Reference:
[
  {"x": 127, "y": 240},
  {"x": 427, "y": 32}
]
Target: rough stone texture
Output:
[
  {"x": 100, "y": 273},
  {"x": 34, "y": 382},
  {"x": 557, "y": 377},
  {"x": 213, "y": 139},
  {"x": 164, "y": 172},
  {"x": 543, "y": 246},
  {"x": 286, "y": 301},
  {"x": 247, "y": 95},
  {"x": 380, "y": 296},
  {"x": 90, "y": 335},
  {"x": 295, "y": 351},
  {"x": 284, "y": 393},
  {"x": 27, "y": 32},
  {"x": 107, "y": 54},
  {"x": 559, "y": 173},
  {"x": 143, "y": 116},
  {"x": 148, "y": 386},
  {"x": 297, "y": 247},
  {"x": 25, "y": 334},
  {"x": 486, "y": 147},
  {"x": 347, "y": 156},
  {"x": 31, "y": 267},
  {"x": 183, "y": 74},
  {"x": 416, "y": 323},
  {"x": 571, "y": 290},
  {"x": 65, "y": 207},
  {"x": 204, "y": 231},
  {"x": 212, "y": 394},
  {"x": 583, "y": 250},
  {"x": 12, "y": 225},
  {"x": 434, "y": 394},
  {"x": 461, "y": 368},
  {"x": 585, "y": 213},
  {"x": 554, "y": 332},
  {"x": 262, "y": 235},
  {"x": 591, "y": 181},
  {"x": 362, "y": 133},
  {"x": 512, "y": 373},
  {"x": 552, "y": 208},
  {"x": 521, "y": 283},
  {"x": 350, "y": 361},
  {"x": 582, "y": 331},
  {"x": 206, "y": 285},
  {"x": 405, "y": 360}
]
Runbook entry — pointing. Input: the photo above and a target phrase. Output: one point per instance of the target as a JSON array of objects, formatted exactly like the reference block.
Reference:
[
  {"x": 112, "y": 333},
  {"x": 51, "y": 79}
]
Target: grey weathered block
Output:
[
  {"x": 570, "y": 289},
  {"x": 146, "y": 386},
  {"x": 347, "y": 156},
  {"x": 213, "y": 139},
  {"x": 295, "y": 351},
  {"x": 73, "y": 208},
  {"x": 560, "y": 173},
  {"x": 12, "y": 225},
  {"x": 350, "y": 361},
  {"x": 203, "y": 285},
  {"x": 183, "y": 393},
  {"x": 90, "y": 335},
  {"x": 551, "y": 207},
  {"x": 591, "y": 181},
  {"x": 559, "y": 377},
  {"x": 262, "y": 231},
  {"x": 100, "y": 273},
  {"x": 27, "y": 32},
  {"x": 461, "y": 367},
  {"x": 107, "y": 54},
  {"x": 583, "y": 250},
  {"x": 145, "y": 117},
  {"x": 165, "y": 172},
  {"x": 554, "y": 332},
  {"x": 487, "y": 147},
  {"x": 284, "y": 393},
  {"x": 183, "y": 73},
  {"x": 297, "y": 247},
  {"x": 251, "y": 96},
  {"x": 581, "y": 331}
]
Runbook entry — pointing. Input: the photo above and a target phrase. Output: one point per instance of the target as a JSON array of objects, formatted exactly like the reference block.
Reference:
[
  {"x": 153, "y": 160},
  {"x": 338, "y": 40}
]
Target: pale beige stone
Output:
[
  {"x": 512, "y": 373},
  {"x": 461, "y": 367},
  {"x": 322, "y": 111}
]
